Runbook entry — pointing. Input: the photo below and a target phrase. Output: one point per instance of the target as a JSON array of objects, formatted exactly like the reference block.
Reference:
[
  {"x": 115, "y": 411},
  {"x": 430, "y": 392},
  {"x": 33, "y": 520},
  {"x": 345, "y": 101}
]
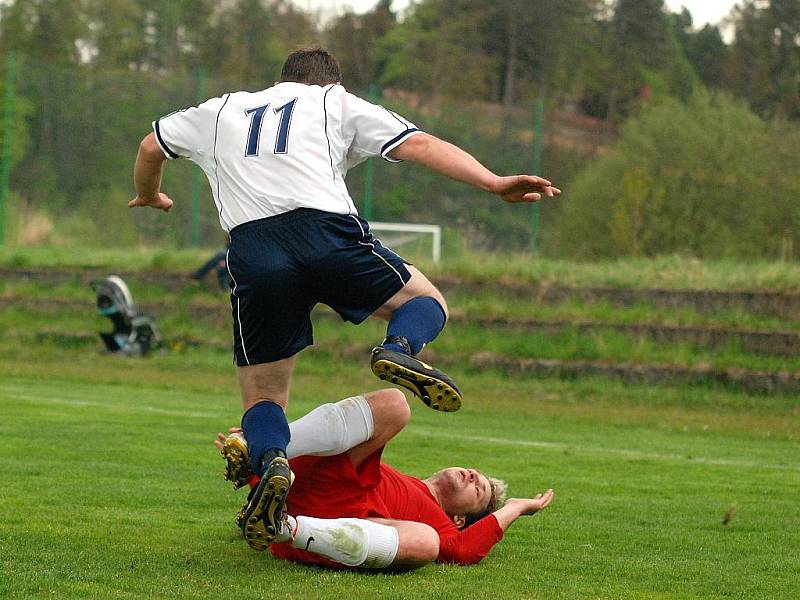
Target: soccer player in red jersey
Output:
[{"x": 349, "y": 509}]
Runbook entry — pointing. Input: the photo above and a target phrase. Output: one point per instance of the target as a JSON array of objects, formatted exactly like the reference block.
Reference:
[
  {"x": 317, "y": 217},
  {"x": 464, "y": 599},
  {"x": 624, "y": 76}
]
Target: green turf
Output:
[{"x": 113, "y": 490}]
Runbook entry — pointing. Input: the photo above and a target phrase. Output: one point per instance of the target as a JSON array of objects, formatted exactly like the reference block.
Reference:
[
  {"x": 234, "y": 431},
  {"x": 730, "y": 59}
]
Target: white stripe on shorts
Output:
[
  {"x": 238, "y": 314},
  {"x": 364, "y": 233}
]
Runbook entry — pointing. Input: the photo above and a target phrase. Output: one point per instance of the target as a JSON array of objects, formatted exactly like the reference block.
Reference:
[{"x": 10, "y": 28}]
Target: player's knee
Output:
[
  {"x": 390, "y": 406},
  {"x": 442, "y": 302},
  {"x": 398, "y": 405}
]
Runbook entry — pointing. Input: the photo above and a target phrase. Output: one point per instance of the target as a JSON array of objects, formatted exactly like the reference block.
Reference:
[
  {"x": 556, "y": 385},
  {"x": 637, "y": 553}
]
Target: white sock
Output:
[
  {"x": 351, "y": 542},
  {"x": 331, "y": 429}
]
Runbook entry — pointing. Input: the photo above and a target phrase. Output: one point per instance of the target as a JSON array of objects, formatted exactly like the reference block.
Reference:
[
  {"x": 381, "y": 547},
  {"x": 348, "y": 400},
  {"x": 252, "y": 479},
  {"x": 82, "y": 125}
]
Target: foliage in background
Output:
[
  {"x": 708, "y": 178},
  {"x": 93, "y": 74}
]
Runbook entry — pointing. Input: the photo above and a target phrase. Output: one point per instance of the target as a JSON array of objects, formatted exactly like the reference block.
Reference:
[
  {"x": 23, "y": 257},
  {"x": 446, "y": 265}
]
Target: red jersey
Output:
[{"x": 330, "y": 487}]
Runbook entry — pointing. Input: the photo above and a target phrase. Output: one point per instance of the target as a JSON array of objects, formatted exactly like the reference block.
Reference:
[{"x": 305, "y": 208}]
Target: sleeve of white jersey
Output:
[
  {"x": 189, "y": 133},
  {"x": 374, "y": 130}
]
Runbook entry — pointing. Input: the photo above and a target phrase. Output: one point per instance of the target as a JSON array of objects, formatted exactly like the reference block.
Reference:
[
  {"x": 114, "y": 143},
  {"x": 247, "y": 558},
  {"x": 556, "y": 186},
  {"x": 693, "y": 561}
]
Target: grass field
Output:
[{"x": 113, "y": 490}]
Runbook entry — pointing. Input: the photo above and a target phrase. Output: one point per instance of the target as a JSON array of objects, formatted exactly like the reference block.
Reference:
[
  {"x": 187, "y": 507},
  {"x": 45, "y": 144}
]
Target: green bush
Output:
[{"x": 707, "y": 178}]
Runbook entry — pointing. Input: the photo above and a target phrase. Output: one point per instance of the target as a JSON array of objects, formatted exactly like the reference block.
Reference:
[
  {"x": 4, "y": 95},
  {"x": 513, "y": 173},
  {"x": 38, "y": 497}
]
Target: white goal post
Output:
[{"x": 413, "y": 228}]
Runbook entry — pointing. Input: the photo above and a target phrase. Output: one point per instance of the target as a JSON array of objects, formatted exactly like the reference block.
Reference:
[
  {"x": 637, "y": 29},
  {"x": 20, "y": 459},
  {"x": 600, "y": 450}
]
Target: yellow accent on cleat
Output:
[{"x": 423, "y": 386}]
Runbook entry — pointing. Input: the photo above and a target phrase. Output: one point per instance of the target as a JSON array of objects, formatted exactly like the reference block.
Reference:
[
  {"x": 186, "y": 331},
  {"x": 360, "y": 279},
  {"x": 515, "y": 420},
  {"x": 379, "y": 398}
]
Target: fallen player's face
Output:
[{"x": 463, "y": 491}]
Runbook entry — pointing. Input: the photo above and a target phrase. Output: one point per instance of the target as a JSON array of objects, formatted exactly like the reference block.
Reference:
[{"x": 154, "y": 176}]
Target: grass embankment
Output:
[
  {"x": 196, "y": 312},
  {"x": 667, "y": 272}
]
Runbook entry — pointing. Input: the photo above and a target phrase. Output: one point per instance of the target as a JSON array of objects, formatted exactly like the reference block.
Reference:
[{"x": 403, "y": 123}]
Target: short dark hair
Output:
[{"x": 312, "y": 66}]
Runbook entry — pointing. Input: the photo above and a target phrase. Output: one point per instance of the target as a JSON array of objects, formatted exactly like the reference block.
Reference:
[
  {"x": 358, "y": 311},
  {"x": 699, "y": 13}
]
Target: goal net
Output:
[{"x": 396, "y": 235}]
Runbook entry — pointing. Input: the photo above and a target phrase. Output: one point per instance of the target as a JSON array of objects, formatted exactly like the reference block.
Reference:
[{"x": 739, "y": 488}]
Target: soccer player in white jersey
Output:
[{"x": 276, "y": 161}]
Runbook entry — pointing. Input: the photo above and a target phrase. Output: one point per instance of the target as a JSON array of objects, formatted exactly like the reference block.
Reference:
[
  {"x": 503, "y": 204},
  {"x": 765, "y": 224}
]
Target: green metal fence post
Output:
[
  {"x": 8, "y": 118},
  {"x": 538, "y": 122},
  {"x": 369, "y": 173},
  {"x": 197, "y": 173}
]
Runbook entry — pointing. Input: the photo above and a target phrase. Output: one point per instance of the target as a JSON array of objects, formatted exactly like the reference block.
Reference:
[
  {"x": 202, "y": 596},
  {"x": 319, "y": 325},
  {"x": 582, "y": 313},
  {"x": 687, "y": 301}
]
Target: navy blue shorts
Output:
[{"x": 282, "y": 266}]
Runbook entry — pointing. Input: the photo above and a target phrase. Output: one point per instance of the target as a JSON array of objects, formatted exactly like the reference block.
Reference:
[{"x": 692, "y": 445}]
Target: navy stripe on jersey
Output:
[
  {"x": 403, "y": 122},
  {"x": 214, "y": 152},
  {"x": 325, "y": 112},
  {"x": 396, "y": 141},
  {"x": 350, "y": 206},
  {"x": 161, "y": 141}
]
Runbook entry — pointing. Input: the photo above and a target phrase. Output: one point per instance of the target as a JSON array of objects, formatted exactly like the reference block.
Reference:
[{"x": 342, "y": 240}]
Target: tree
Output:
[
  {"x": 354, "y": 41},
  {"x": 687, "y": 178},
  {"x": 49, "y": 31},
  {"x": 251, "y": 38},
  {"x": 538, "y": 44},
  {"x": 437, "y": 54},
  {"x": 764, "y": 64}
]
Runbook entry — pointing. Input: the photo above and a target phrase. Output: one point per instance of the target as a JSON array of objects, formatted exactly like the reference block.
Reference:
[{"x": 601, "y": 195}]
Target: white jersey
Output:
[{"x": 286, "y": 147}]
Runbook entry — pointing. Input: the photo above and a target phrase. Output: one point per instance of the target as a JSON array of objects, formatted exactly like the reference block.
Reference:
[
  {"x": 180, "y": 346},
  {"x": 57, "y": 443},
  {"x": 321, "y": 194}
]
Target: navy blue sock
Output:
[
  {"x": 265, "y": 428},
  {"x": 419, "y": 321}
]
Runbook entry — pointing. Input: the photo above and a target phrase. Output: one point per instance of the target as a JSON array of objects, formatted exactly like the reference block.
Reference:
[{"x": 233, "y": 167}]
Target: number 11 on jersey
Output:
[{"x": 257, "y": 119}]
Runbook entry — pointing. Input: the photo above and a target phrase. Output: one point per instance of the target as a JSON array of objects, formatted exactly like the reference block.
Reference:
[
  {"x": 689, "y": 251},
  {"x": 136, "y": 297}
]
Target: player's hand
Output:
[
  {"x": 523, "y": 188},
  {"x": 530, "y": 506},
  {"x": 221, "y": 437},
  {"x": 161, "y": 202}
]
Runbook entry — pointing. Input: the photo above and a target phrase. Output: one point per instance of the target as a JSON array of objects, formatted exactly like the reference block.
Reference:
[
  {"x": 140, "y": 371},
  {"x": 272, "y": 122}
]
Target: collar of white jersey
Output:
[{"x": 288, "y": 84}]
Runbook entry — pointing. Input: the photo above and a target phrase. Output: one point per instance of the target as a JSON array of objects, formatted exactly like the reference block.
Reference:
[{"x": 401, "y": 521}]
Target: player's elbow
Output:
[
  {"x": 458, "y": 554},
  {"x": 149, "y": 149}
]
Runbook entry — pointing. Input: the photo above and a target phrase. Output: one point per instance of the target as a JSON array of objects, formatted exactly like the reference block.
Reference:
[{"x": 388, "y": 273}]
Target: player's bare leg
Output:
[
  {"x": 418, "y": 543},
  {"x": 266, "y": 381},
  {"x": 390, "y": 414},
  {"x": 265, "y": 394},
  {"x": 416, "y": 314},
  {"x": 366, "y": 543}
]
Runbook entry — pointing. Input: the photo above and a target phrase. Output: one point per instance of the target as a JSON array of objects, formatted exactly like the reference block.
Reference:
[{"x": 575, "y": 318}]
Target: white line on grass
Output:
[
  {"x": 423, "y": 432},
  {"x": 119, "y": 406},
  {"x": 635, "y": 454}
]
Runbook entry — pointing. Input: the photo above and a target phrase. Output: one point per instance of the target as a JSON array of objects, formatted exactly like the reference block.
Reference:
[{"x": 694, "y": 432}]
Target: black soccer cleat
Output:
[
  {"x": 241, "y": 517},
  {"x": 237, "y": 461},
  {"x": 263, "y": 519},
  {"x": 435, "y": 388}
]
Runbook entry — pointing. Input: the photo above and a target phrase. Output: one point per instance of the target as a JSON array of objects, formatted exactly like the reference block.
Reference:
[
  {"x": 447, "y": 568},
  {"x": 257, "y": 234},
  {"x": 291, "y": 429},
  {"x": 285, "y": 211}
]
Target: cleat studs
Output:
[
  {"x": 439, "y": 387},
  {"x": 430, "y": 382},
  {"x": 435, "y": 406},
  {"x": 271, "y": 485},
  {"x": 447, "y": 392},
  {"x": 394, "y": 379},
  {"x": 382, "y": 376},
  {"x": 438, "y": 396},
  {"x": 426, "y": 400}
]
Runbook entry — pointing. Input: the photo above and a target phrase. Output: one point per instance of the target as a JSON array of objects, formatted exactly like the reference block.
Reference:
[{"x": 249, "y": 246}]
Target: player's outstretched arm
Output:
[
  {"x": 450, "y": 160},
  {"x": 515, "y": 508},
  {"x": 147, "y": 176}
]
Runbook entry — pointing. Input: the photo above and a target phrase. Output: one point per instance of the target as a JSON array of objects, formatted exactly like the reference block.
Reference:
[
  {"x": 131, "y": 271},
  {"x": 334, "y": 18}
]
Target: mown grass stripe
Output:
[
  {"x": 633, "y": 454},
  {"x": 425, "y": 432}
]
